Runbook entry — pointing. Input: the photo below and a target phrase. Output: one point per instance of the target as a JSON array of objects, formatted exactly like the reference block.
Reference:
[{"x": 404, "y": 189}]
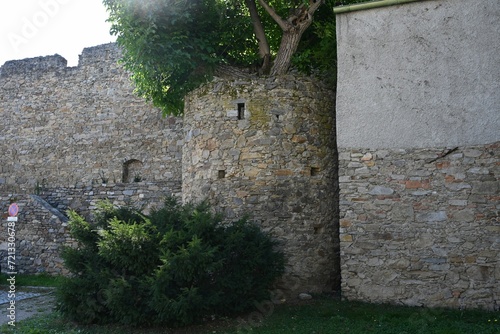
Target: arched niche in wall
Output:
[{"x": 132, "y": 171}]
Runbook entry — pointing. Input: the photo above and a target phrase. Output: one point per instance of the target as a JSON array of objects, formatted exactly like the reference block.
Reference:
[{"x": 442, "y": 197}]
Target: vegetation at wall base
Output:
[
  {"x": 43, "y": 280},
  {"x": 323, "y": 315},
  {"x": 177, "y": 266}
]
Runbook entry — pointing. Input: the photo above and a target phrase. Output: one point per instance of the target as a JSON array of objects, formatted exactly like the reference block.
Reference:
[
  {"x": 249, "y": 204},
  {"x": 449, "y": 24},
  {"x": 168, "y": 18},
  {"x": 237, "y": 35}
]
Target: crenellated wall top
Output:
[{"x": 56, "y": 63}]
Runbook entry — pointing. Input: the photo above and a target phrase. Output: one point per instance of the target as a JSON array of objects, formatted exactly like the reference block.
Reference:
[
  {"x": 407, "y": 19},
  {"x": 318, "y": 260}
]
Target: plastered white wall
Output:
[{"x": 421, "y": 74}]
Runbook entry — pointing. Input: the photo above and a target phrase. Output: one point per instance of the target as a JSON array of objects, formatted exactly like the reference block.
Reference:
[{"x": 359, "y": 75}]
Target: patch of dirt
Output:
[{"x": 42, "y": 303}]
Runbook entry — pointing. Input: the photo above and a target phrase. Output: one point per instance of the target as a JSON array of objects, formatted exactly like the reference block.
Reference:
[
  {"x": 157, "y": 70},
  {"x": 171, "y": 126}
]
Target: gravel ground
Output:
[{"x": 30, "y": 301}]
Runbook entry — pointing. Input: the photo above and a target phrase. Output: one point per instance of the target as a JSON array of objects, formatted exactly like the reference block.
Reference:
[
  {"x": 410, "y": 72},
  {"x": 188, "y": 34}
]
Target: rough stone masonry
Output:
[
  {"x": 266, "y": 147},
  {"x": 258, "y": 146},
  {"x": 421, "y": 230},
  {"x": 79, "y": 126}
]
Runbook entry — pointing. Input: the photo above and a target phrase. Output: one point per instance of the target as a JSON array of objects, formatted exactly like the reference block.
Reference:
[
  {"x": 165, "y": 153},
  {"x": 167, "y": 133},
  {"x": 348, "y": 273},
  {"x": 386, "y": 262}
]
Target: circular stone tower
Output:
[{"x": 266, "y": 147}]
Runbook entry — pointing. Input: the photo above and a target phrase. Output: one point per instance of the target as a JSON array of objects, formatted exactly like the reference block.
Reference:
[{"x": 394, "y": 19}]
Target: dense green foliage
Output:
[
  {"x": 175, "y": 267},
  {"x": 168, "y": 45},
  {"x": 173, "y": 46}
]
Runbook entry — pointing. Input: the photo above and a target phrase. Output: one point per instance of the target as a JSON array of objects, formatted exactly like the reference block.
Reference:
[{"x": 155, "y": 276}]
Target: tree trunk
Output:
[
  {"x": 289, "y": 44},
  {"x": 293, "y": 28},
  {"x": 258, "y": 28}
]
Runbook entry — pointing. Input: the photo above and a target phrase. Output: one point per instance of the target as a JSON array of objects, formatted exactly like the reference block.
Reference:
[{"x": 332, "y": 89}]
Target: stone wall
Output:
[
  {"x": 40, "y": 232},
  {"x": 139, "y": 195},
  {"x": 73, "y": 136},
  {"x": 77, "y": 126},
  {"x": 266, "y": 147},
  {"x": 66, "y": 131},
  {"x": 421, "y": 227},
  {"x": 418, "y": 124}
]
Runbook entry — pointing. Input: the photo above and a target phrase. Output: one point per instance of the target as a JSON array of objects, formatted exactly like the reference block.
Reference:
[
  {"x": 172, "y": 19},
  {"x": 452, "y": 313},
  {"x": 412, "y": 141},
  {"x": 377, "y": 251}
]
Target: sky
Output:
[{"x": 32, "y": 28}]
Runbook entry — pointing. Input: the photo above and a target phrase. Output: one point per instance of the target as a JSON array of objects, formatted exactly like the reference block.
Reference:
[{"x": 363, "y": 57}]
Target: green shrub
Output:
[{"x": 174, "y": 267}]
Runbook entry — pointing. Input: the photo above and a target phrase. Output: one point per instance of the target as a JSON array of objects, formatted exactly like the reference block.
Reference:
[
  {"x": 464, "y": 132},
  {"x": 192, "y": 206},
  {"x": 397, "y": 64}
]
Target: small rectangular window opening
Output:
[
  {"x": 241, "y": 110},
  {"x": 222, "y": 174},
  {"x": 314, "y": 171}
]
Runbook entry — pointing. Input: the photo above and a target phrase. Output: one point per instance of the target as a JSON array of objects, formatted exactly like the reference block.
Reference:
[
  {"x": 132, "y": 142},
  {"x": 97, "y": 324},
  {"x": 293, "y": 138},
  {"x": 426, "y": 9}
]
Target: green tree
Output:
[
  {"x": 177, "y": 266},
  {"x": 173, "y": 46}
]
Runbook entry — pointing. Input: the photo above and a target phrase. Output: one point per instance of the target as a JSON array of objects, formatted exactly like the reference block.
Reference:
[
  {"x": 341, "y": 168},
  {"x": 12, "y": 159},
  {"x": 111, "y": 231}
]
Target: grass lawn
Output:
[
  {"x": 31, "y": 280},
  {"x": 323, "y": 315}
]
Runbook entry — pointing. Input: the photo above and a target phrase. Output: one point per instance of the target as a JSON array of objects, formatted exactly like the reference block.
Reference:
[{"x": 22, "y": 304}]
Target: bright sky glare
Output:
[{"x": 32, "y": 28}]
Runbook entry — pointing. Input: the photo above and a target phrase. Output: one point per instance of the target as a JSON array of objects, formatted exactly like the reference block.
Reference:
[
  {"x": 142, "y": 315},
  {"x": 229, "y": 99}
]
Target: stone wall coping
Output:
[
  {"x": 50, "y": 208},
  {"x": 55, "y": 63}
]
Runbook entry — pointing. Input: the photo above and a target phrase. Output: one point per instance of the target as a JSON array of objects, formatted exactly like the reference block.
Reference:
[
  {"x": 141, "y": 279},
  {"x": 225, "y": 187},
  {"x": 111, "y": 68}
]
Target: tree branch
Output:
[
  {"x": 301, "y": 14},
  {"x": 282, "y": 23},
  {"x": 314, "y": 5}
]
